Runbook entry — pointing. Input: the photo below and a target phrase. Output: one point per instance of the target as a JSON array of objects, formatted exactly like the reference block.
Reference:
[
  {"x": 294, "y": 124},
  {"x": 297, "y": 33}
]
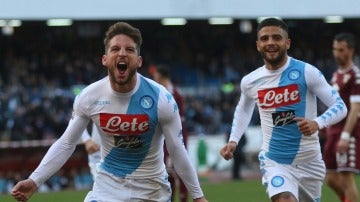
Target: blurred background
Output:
[{"x": 50, "y": 50}]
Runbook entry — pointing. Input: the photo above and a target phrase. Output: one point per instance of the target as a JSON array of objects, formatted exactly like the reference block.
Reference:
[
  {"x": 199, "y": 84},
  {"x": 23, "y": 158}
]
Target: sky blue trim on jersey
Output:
[
  {"x": 123, "y": 161},
  {"x": 285, "y": 140}
]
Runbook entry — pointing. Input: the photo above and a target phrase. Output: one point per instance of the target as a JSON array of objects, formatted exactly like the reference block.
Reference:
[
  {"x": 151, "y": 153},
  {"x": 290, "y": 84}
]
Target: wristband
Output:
[{"x": 345, "y": 135}]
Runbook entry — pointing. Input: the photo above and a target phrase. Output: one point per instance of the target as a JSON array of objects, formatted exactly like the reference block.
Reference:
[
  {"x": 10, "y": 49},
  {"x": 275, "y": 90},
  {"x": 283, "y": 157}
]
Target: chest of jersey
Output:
[
  {"x": 130, "y": 115},
  {"x": 280, "y": 95}
]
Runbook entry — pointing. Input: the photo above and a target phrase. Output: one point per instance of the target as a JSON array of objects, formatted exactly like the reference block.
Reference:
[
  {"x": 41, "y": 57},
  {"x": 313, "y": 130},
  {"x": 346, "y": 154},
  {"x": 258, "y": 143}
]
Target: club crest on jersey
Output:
[
  {"x": 283, "y": 118},
  {"x": 294, "y": 74},
  {"x": 146, "y": 102},
  {"x": 277, "y": 181},
  {"x": 279, "y": 97},
  {"x": 124, "y": 124}
]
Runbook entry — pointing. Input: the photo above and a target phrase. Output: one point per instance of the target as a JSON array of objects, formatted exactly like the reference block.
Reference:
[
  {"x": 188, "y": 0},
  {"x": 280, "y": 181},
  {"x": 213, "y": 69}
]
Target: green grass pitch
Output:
[{"x": 229, "y": 191}]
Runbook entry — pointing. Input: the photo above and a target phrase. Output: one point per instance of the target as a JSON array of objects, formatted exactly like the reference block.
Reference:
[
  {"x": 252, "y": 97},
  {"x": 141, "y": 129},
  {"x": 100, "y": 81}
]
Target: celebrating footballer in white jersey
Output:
[
  {"x": 133, "y": 115},
  {"x": 285, "y": 92}
]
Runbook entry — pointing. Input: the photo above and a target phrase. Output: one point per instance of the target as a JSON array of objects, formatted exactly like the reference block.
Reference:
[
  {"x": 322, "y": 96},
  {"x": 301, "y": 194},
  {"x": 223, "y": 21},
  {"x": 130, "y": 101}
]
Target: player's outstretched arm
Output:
[{"x": 23, "y": 190}]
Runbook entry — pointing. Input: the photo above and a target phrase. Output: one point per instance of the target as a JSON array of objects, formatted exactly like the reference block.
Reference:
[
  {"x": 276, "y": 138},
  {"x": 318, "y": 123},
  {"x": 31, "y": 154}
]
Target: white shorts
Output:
[
  {"x": 109, "y": 188},
  {"x": 304, "y": 181}
]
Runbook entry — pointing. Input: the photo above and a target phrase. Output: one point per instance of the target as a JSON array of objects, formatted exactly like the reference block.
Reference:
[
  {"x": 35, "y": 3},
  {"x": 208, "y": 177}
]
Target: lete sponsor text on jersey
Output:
[
  {"x": 280, "y": 96},
  {"x": 129, "y": 124}
]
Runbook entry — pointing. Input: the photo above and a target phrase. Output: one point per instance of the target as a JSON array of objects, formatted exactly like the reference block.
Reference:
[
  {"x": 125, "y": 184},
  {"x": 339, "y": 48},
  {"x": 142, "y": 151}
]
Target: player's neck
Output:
[
  {"x": 125, "y": 87},
  {"x": 276, "y": 65},
  {"x": 346, "y": 65}
]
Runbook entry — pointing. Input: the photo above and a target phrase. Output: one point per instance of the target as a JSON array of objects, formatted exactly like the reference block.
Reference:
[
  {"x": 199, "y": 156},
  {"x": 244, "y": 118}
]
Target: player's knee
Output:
[
  {"x": 284, "y": 197},
  {"x": 331, "y": 181}
]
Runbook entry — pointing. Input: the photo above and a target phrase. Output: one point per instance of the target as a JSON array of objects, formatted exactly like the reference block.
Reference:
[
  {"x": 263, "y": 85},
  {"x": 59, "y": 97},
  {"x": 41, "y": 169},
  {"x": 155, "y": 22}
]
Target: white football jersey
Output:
[
  {"x": 132, "y": 128},
  {"x": 281, "y": 95}
]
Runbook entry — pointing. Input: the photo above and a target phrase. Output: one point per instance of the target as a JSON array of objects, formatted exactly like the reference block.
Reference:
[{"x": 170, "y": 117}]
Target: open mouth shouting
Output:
[{"x": 121, "y": 66}]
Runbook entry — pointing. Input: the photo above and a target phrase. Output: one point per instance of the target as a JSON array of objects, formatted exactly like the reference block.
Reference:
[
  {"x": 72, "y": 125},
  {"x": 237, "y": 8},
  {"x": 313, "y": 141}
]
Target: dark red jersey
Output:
[{"x": 347, "y": 82}]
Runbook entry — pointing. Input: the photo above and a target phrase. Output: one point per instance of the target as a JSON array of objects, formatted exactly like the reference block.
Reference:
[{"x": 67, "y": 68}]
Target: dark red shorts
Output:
[{"x": 345, "y": 162}]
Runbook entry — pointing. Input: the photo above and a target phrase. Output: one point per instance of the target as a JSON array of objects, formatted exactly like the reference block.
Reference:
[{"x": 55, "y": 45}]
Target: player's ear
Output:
[
  {"x": 140, "y": 60},
  {"x": 103, "y": 60},
  {"x": 258, "y": 45},
  {"x": 288, "y": 43}
]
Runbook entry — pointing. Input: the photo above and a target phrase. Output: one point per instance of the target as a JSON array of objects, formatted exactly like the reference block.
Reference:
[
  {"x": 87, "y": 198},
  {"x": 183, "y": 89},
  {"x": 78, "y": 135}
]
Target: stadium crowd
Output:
[{"x": 42, "y": 68}]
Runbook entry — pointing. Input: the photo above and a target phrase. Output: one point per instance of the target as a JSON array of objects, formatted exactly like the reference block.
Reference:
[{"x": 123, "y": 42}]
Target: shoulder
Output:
[
  {"x": 356, "y": 71},
  {"x": 100, "y": 84},
  {"x": 300, "y": 63},
  {"x": 356, "y": 75},
  {"x": 93, "y": 90},
  {"x": 151, "y": 87},
  {"x": 253, "y": 75},
  {"x": 308, "y": 68}
]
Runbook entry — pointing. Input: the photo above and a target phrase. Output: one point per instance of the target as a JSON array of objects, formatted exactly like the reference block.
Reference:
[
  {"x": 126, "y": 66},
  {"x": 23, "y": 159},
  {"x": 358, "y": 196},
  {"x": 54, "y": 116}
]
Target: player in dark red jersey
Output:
[
  {"x": 342, "y": 146},
  {"x": 162, "y": 76}
]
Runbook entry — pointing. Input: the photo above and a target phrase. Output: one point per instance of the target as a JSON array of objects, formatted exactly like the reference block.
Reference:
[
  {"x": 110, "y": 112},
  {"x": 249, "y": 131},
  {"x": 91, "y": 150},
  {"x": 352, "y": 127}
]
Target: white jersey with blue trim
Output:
[
  {"x": 281, "y": 95},
  {"x": 132, "y": 127}
]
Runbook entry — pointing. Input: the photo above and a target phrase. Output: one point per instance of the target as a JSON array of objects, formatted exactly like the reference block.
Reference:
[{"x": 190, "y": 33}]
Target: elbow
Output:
[{"x": 344, "y": 110}]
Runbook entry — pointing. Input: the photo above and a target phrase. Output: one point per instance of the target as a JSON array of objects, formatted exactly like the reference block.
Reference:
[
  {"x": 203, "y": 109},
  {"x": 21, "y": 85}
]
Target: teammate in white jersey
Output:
[
  {"x": 285, "y": 91},
  {"x": 134, "y": 115}
]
